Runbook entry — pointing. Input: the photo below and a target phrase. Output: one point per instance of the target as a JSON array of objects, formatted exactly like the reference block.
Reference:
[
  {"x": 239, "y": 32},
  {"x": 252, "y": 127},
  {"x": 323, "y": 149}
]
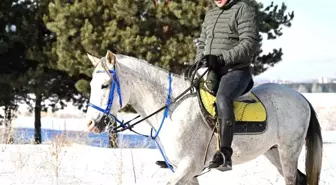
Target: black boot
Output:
[{"x": 222, "y": 158}]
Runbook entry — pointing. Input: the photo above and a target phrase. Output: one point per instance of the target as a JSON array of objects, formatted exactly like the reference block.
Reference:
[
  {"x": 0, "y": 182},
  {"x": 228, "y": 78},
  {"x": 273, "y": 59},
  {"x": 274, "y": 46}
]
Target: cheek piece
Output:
[{"x": 115, "y": 86}]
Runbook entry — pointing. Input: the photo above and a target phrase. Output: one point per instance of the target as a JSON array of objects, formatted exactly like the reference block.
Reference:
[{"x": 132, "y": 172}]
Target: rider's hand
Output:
[
  {"x": 188, "y": 73},
  {"x": 213, "y": 61},
  {"x": 204, "y": 62},
  {"x": 220, "y": 60}
]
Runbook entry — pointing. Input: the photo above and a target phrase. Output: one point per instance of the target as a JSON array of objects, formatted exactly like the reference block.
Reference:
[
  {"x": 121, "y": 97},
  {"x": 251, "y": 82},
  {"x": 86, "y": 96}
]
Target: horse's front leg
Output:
[{"x": 185, "y": 173}]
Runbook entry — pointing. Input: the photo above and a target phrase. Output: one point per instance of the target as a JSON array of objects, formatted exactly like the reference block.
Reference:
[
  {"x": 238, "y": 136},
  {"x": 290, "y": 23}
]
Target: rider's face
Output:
[{"x": 220, "y": 3}]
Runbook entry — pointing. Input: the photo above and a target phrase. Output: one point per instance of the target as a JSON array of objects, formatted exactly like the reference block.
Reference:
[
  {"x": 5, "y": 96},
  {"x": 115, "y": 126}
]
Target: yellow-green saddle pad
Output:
[{"x": 249, "y": 111}]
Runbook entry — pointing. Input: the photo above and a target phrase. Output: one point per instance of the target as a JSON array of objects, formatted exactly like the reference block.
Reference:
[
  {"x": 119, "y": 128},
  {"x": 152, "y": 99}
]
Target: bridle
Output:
[{"x": 115, "y": 86}]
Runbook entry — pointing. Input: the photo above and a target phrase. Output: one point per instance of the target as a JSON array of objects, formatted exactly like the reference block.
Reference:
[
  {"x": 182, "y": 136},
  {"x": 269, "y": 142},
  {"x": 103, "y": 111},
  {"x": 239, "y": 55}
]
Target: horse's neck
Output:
[{"x": 149, "y": 85}]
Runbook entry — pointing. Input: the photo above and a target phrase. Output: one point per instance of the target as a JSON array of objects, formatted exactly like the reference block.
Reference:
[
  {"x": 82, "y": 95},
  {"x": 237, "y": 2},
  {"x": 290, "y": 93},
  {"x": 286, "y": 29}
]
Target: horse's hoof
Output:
[{"x": 162, "y": 164}]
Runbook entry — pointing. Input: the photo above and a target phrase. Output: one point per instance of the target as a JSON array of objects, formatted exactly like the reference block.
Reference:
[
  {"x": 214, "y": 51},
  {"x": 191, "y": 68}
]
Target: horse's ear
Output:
[
  {"x": 110, "y": 57},
  {"x": 94, "y": 60}
]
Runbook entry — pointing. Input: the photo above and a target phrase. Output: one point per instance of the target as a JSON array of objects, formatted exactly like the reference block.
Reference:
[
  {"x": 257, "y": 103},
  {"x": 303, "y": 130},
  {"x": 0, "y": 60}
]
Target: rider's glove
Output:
[{"x": 213, "y": 61}]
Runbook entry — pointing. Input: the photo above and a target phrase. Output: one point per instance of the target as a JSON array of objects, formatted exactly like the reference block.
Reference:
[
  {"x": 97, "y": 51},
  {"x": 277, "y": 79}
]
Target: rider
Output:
[{"x": 227, "y": 46}]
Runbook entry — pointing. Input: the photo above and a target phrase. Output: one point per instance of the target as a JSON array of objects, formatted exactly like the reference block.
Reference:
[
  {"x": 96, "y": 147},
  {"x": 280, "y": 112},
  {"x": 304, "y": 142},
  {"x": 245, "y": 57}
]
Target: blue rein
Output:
[
  {"x": 165, "y": 115},
  {"x": 115, "y": 85}
]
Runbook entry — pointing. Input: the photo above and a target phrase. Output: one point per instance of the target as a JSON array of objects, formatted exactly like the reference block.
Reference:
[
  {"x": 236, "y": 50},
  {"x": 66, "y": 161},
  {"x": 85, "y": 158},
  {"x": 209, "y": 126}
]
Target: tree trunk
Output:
[{"x": 37, "y": 113}]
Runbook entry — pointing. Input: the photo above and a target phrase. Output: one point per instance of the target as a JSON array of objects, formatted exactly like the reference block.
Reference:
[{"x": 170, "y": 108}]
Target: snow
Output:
[
  {"x": 321, "y": 99},
  {"x": 70, "y": 162},
  {"x": 80, "y": 164}
]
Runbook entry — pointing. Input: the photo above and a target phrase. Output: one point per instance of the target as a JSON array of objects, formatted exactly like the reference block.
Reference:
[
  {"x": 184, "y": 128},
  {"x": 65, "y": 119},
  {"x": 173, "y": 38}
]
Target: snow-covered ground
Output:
[
  {"x": 79, "y": 164},
  {"x": 70, "y": 162}
]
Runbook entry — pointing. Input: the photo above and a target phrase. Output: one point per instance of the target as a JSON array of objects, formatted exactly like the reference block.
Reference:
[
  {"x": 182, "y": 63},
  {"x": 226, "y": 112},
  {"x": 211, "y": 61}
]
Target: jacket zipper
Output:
[{"x": 213, "y": 30}]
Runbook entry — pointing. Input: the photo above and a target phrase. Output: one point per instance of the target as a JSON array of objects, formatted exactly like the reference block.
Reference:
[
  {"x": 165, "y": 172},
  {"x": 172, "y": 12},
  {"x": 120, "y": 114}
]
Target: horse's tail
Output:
[{"x": 314, "y": 146}]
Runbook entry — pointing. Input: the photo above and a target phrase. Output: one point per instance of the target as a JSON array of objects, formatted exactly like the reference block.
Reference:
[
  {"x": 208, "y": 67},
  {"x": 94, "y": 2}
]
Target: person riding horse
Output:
[{"x": 227, "y": 45}]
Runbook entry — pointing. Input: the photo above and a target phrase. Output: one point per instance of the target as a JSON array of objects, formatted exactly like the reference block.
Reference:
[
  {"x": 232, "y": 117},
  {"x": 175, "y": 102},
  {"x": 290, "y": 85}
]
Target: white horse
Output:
[{"x": 184, "y": 136}]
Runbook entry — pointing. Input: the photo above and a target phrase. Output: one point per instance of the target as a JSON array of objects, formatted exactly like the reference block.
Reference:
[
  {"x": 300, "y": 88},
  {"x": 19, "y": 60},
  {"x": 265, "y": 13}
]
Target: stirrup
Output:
[
  {"x": 224, "y": 168},
  {"x": 216, "y": 161},
  {"x": 225, "y": 165}
]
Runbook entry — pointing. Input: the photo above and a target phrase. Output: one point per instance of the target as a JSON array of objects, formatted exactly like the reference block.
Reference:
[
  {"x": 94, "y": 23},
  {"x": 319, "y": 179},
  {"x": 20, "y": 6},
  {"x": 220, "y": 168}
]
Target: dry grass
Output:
[
  {"x": 55, "y": 151},
  {"x": 45, "y": 160},
  {"x": 6, "y": 135},
  {"x": 123, "y": 143},
  {"x": 57, "y": 162},
  {"x": 51, "y": 163}
]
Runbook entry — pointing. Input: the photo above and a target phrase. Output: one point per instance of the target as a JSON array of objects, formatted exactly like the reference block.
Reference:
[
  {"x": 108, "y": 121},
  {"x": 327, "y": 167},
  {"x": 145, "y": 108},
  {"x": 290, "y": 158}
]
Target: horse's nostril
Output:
[
  {"x": 96, "y": 130},
  {"x": 90, "y": 125}
]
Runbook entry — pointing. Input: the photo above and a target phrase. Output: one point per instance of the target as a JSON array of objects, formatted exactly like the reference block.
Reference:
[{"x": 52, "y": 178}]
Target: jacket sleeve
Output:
[
  {"x": 200, "y": 44},
  {"x": 247, "y": 27}
]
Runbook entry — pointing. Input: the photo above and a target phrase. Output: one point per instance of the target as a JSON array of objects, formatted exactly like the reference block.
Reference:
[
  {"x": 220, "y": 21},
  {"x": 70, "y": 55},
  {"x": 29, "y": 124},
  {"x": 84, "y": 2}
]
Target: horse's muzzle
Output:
[{"x": 100, "y": 126}]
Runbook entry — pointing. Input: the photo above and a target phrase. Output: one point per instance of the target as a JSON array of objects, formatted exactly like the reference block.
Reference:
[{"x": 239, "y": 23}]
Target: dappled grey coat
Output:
[{"x": 231, "y": 31}]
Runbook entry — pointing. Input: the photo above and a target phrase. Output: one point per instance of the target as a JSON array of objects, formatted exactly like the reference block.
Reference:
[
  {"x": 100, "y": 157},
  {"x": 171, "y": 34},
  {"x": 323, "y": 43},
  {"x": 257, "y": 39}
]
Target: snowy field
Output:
[
  {"x": 79, "y": 164},
  {"x": 71, "y": 162}
]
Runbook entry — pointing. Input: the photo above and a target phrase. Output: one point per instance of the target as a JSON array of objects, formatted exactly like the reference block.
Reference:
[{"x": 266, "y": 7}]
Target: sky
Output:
[{"x": 308, "y": 45}]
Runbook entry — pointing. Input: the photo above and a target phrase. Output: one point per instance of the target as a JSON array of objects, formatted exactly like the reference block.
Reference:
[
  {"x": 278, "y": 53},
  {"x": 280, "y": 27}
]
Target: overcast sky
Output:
[{"x": 309, "y": 45}]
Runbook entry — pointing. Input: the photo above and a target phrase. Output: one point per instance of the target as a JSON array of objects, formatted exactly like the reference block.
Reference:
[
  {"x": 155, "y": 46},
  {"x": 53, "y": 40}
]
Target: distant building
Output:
[
  {"x": 320, "y": 85},
  {"x": 324, "y": 80}
]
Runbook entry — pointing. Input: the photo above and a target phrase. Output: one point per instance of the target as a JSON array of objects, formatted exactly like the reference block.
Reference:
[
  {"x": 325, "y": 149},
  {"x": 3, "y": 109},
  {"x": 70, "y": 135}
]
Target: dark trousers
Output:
[{"x": 231, "y": 86}]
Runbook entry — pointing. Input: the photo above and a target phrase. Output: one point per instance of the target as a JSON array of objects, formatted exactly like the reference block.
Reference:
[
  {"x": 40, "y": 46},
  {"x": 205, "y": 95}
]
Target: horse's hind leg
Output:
[
  {"x": 273, "y": 156},
  {"x": 185, "y": 173},
  {"x": 183, "y": 181},
  {"x": 289, "y": 157},
  {"x": 301, "y": 179},
  {"x": 194, "y": 181}
]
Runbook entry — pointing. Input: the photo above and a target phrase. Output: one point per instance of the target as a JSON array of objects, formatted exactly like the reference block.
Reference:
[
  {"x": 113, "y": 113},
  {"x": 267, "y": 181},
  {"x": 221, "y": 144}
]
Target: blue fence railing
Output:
[{"x": 26, "y": 135}]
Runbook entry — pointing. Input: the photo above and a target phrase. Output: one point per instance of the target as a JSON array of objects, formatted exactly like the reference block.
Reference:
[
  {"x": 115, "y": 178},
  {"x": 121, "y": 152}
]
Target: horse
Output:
[{"x": 282, "y": 119}]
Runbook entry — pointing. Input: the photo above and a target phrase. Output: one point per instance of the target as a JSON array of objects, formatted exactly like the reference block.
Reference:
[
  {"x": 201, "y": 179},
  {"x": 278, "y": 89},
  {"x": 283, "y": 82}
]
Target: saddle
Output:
[{"x": 250, "y": 113}]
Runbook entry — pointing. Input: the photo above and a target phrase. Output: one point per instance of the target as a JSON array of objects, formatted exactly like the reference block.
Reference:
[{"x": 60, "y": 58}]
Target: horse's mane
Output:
[{"x": 150, "y": 66}]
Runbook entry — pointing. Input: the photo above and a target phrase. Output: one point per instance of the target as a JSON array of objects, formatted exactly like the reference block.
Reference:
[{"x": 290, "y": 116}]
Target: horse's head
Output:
[{"x": 108, "y": 93}]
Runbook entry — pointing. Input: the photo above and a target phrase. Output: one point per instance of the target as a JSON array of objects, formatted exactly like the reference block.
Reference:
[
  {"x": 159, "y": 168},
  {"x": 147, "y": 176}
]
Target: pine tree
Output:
[
  {"x": 27, "y": 61},
  {"x": 272, "y": 20},
  {"x": 161, "y": 33},
  {"x": 12, "y": 64}
]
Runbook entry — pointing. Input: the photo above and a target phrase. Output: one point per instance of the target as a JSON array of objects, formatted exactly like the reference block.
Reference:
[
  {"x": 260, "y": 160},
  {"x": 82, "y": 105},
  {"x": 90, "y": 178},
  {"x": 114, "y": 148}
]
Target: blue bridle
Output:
[{"x": 115, "y": 85}]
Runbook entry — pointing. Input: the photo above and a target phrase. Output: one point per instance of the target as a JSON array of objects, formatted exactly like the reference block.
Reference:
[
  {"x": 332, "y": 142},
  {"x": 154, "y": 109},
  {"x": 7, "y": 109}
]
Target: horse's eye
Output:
[{"x": 104, "y": 86}]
